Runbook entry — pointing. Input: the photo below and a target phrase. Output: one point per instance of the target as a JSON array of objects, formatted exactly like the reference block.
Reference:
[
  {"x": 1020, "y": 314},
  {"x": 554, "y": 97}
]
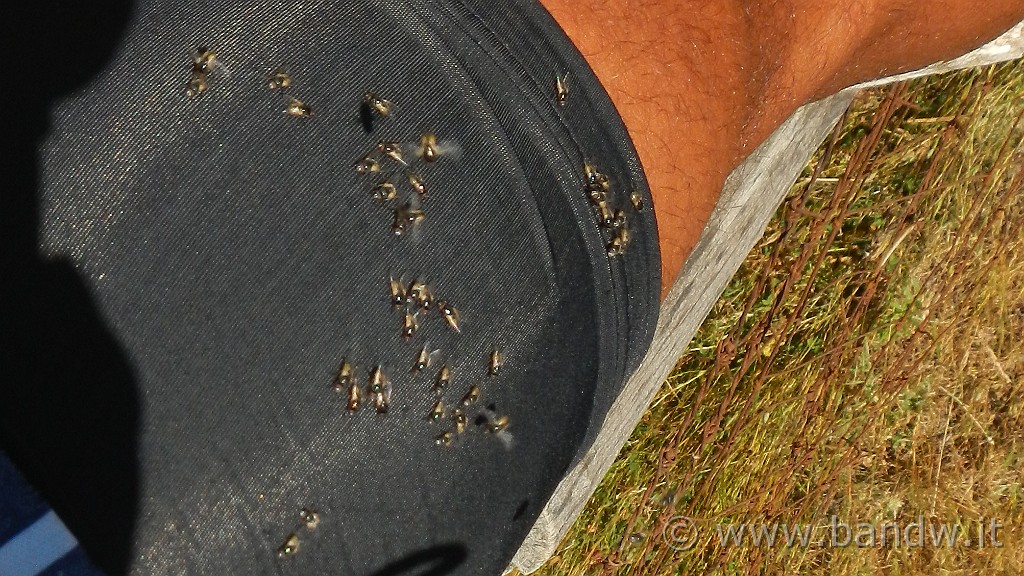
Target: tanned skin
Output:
[{"x": 701, "y": 83}]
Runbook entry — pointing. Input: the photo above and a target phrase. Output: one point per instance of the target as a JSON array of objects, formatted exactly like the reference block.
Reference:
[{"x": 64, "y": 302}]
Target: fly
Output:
[
  {"x": 203, "y": 61},
  {"x": 355, "y": 397},
  {"x": 378, "y": 381},
  {"x": 415, "y": 287},
  {"x": 366, "y": 165},
  {"x": 605, "y": 215},
  {"x": 344, "y": 376},
  {"x": 203, "y": 64},
  {"x": 392, "y": 150},
  {"x": 297, "y": 108},
  {"x": 279, "y": 79},
  {"x": 618, "y": 243},
  {"x": 595, "y": 179},
  {"x": 417, "y": 183},
  {"x": 385, "y": 191},
  {"x": 451, "y": 316},
  {"x": 310, "y": 518},
  {"x": 378, "y": 105},
  {"x": 382, "y": 401},
  {"x": 197, "y": 85},
  {"x": 398, "y": 297},
  {"x": 409, "y": 325},
  {"x": 459, "y": 419},
  {"x": 380, "y": 391},
  {"x": 495, "y": 425},
  {"x": 637, "y": 200},
  {"x": 428, "y": 147},
  {"x": 422, "y": 360},
  {"x": 618, "y": 220},
  {"x": 436, "y": 413},
  {"x": 561, "y": 89},
  {"x": 444, "y": 376},
  {"x": 426, "y": 299},
  {"x": 405, "y": 218},
  {"x": 495, "y": 363},
  {"x": 471, "y": 396},
  {"x": 290, "y": 546}
]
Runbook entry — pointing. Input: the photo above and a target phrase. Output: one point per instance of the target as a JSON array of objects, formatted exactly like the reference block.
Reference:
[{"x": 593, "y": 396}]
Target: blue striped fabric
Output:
[{"x": 33, "y": 540}]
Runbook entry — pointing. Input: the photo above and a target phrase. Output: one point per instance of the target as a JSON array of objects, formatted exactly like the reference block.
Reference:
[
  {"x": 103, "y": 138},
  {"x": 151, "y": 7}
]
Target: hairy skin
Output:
[{"x": 701, "y": 83}]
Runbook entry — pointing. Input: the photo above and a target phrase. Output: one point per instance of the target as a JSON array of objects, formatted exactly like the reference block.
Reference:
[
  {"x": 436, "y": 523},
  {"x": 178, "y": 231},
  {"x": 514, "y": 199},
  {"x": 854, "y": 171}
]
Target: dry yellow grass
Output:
[{"x": 864, "y": 363}]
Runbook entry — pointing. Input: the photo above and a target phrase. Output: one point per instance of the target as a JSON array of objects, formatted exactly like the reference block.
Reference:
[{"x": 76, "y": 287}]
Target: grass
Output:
[{"x": 863, "y": 363}]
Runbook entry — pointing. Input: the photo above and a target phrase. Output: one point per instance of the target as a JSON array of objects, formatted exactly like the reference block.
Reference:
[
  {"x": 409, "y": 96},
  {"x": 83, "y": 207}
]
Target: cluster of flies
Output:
[
  {"x": 390, "y": 162},
  {"x": 486, "y": 417},
  {"x": 418, "y": 298},
  {"x": 597, "y": 186},
  {"x": 610, "y": 219},
  {"x": 310, "y": 520},
  {"x": 205, "y": 63},
  {"x": 598, "y": 189}
]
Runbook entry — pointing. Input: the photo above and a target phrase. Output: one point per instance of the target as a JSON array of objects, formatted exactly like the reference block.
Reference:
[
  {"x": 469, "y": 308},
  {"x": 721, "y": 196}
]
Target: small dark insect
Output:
[
  {"x": 378, "y": 381},
  {"x": 459, "y": 419},
  {"x": 409, "y": 325},
  {"x": 279, "y": 79},
  {"x": 310, "y": 518},
  {"x": 596, "y": 195},
  {"x": 436, "y": 413},
  {"x": 417, "y": 183},
  {"x": 406, "y": 217},
  {"x": 297, "y": 108},
  {"x": 444, "y": 376},
  {"x": 366, "y": 165},
  {"x": 618, "y": 243},
  {"x": 495, "y": 363},
  {"x": 290, "y": 546},
  {"x": 561, "y": 89},
  {"x": 398, "y": 297},
  {"x": 637, "y": 200},
  {"x": 444, "y": 439},
  {"x": 378, "y": 105},
  {"x": 428, "y": 147},
  {"x": 471, "y": 396},
  {"x": 392, "y": 150},
  {"x": 451, "y": 316},
  {"x": 422, "y": 360},
  {"x": 385, "y": 191}
]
